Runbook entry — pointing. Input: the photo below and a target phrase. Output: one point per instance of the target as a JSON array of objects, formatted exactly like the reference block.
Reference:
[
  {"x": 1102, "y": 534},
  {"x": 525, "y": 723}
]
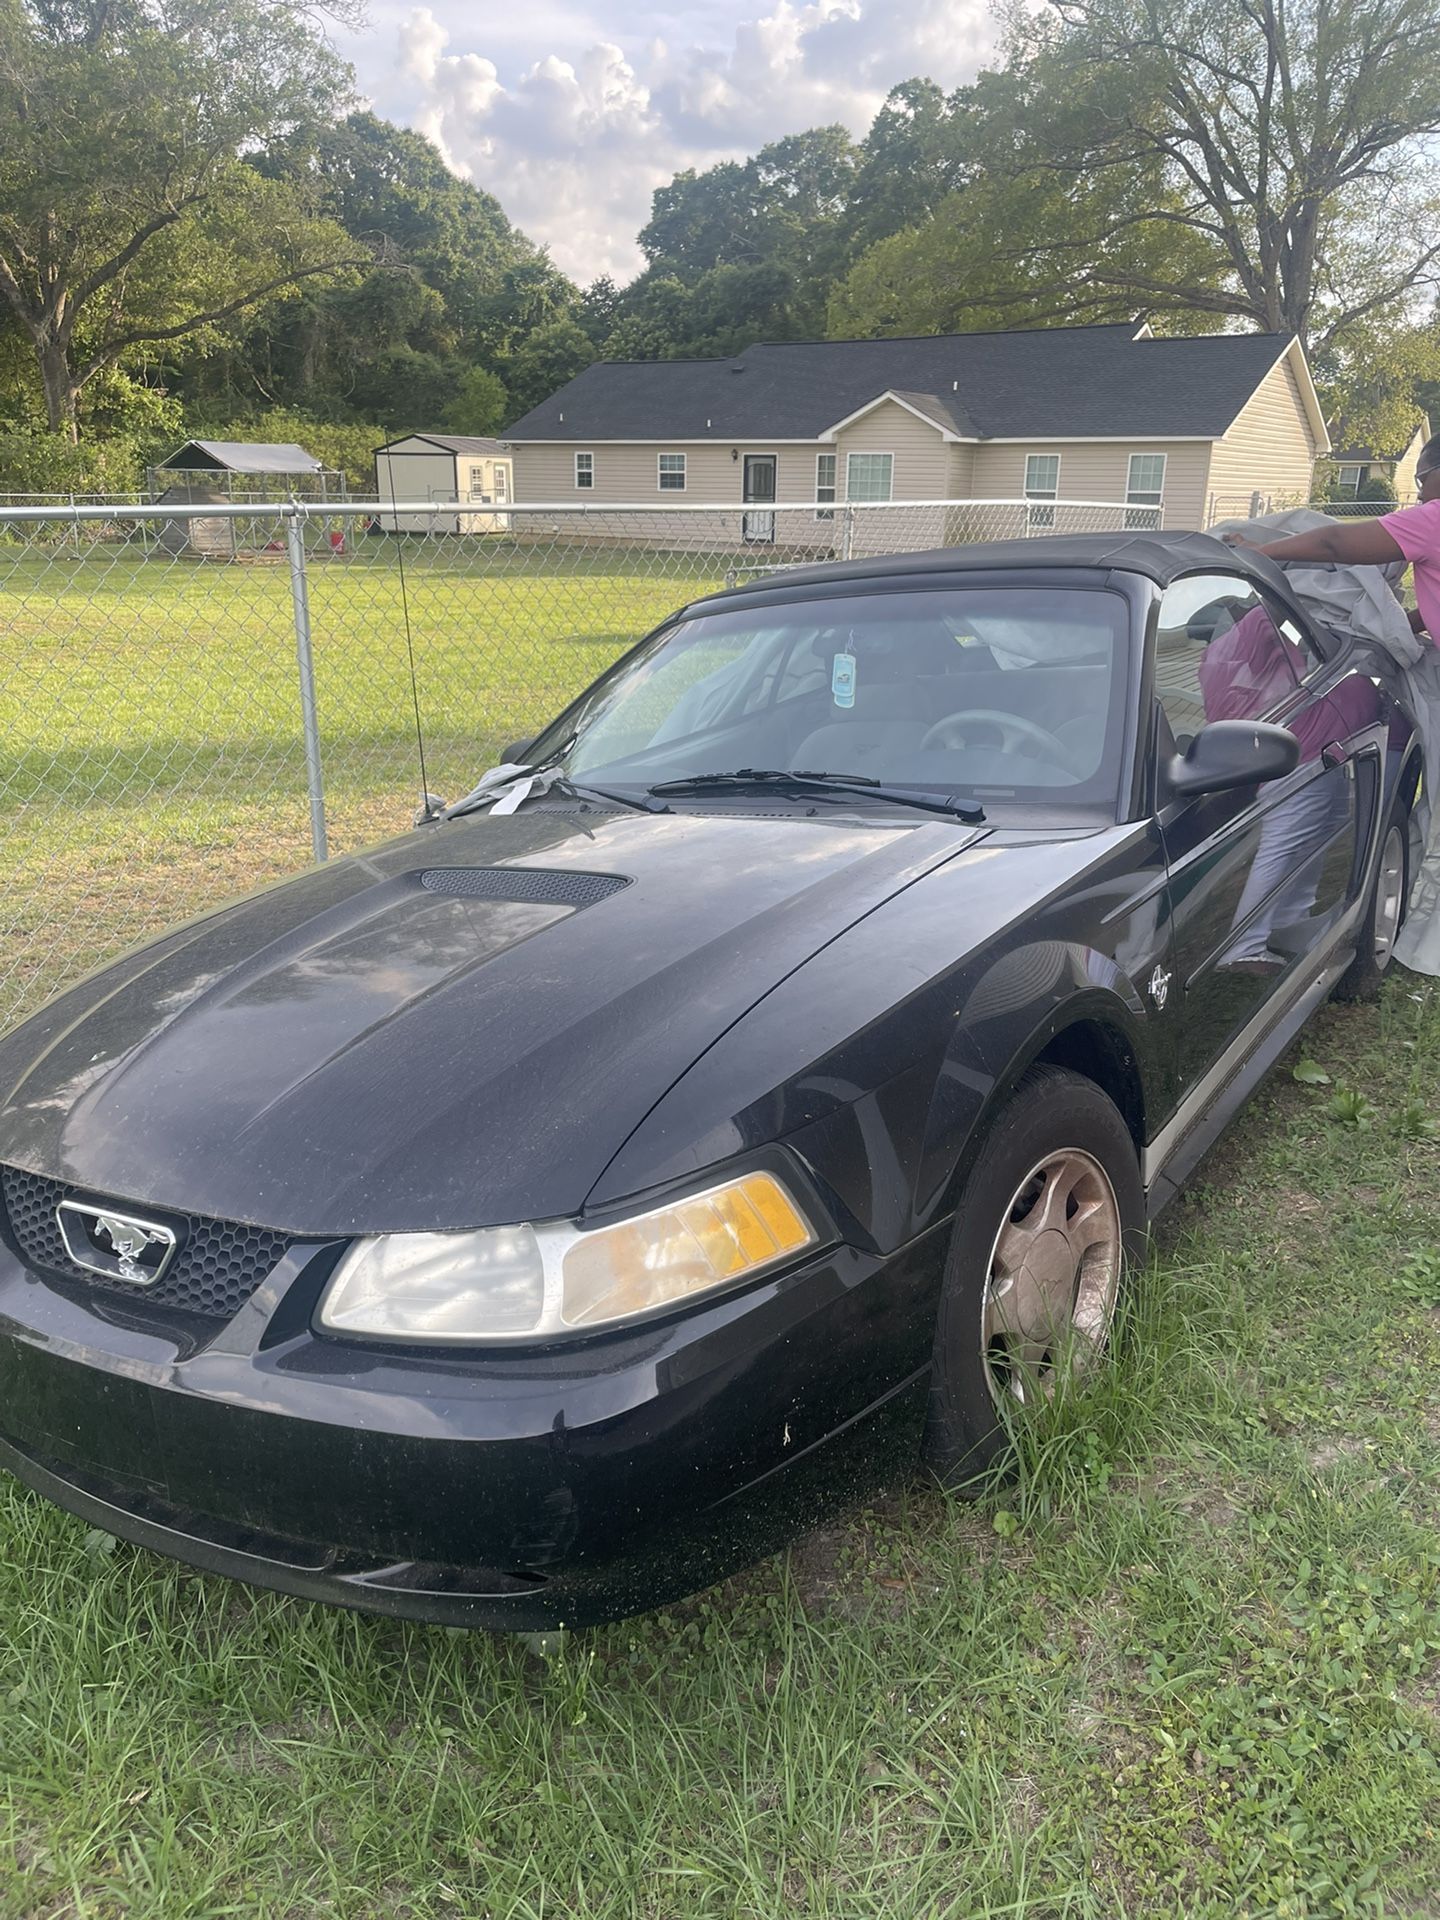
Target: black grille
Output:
[
  {"x": 218, "y": 1264},
  {"x": 532, "y": 885}
]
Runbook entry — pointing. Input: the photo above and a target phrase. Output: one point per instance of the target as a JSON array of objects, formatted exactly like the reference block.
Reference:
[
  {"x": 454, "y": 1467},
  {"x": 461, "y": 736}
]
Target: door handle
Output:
[{"x": 1334, "y": 755}]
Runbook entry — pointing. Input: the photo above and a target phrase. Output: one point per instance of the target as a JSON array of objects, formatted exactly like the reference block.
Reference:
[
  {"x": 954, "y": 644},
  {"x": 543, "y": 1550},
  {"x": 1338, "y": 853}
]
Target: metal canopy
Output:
[{"x": 242, "y": 456}]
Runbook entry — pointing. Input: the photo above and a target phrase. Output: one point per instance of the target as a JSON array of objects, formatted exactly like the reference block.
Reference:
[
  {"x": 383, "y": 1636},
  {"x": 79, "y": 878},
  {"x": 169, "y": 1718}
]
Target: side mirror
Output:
[
  {"x": 514, "y": 754},
  {"x": 1231, "y": 753}
]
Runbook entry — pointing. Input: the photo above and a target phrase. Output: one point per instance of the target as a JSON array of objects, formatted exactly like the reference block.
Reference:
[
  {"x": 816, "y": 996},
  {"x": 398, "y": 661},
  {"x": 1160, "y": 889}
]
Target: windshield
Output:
[{"x": 985, "y": 692}]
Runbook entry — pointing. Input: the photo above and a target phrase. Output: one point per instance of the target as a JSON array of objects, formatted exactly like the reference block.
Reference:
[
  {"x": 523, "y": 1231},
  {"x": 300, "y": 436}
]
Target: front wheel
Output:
[
  {"x": 1051, "y": 1213},
  {"x": 1384, "y": 914}
]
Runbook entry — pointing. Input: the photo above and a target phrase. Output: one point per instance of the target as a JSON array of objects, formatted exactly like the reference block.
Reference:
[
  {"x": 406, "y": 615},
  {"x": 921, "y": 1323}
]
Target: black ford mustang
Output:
[{"x": 545, "y": 1213}]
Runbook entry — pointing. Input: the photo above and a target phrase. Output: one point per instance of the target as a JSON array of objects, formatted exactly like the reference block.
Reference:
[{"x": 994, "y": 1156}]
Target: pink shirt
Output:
[
  {"x": 1416, "y": 531},
  {"x": 1250, "y": 669}
]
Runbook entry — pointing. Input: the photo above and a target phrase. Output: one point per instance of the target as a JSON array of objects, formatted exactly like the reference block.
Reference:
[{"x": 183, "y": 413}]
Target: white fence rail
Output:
[{"x": 198, "y": 698}]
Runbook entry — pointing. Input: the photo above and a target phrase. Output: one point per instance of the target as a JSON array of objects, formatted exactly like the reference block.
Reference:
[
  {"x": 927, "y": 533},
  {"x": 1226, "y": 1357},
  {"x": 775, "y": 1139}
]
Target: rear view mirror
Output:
[{"x": 1231, "y": 753}]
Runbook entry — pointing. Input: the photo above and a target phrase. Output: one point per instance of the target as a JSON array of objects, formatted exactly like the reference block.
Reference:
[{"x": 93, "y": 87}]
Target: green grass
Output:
[
  {"x": 1188, "y": 1663},
  {"x": 151, "y": 758}
]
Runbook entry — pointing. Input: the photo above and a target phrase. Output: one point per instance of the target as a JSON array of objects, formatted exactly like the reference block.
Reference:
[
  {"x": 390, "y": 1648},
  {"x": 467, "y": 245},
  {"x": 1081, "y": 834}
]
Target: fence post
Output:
[
  {"x": 300, "y": 597},
  {"x": 847, "y": 538}
]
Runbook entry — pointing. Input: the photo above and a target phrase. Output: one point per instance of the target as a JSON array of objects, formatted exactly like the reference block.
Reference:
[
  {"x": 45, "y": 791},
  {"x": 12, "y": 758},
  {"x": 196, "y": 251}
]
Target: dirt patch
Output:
[{"x": 1332, "y": 1449}]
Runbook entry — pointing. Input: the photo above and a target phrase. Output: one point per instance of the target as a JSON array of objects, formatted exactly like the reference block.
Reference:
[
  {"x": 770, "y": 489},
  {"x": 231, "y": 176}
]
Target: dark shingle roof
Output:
[
  {"x": 1051, "y": 383},
  {"x": 948, "y": 413}
]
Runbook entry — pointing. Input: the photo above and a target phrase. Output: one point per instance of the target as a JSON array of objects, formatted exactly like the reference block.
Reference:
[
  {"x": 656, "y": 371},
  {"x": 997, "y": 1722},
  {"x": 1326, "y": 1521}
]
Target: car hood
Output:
[{"x": 457, "y": 1029}]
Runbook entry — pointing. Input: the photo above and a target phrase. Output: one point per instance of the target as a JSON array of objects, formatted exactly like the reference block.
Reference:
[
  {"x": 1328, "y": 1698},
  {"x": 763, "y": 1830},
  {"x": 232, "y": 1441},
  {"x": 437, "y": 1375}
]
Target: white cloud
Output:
[{"x": 574, "y": 141}]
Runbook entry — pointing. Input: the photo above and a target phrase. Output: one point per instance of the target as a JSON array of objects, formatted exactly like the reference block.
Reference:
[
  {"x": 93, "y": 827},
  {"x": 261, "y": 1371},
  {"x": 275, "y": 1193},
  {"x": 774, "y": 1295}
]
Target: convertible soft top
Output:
[{"x": 1161, "y": 557}]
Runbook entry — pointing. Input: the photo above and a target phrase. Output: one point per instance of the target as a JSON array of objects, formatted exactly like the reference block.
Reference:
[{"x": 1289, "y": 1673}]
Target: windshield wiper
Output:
[
  {"x": 750, "y": 778},
  {"x": 563, "y": 784}
]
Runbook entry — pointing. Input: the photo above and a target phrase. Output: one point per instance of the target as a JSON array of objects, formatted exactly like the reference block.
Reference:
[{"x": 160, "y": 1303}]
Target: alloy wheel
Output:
[{"x": 1053, "y": 1276}]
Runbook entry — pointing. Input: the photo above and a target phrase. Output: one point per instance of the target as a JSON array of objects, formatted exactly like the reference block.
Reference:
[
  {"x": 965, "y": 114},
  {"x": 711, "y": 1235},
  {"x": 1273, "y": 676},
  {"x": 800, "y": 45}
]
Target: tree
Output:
[
  {"x": 390, "y": 188},
  {"x": 1373, "y": 382},
  {"x": 1286, "y": 144},
  {"x": 725, "y": 310},
  {"x": 129, "y": 216},
  {"x": 915, "y": 156},
  {"x": 480, "y": 404},
  {"x": 455, "y": 288},
  {"x": 554, "y": 353},
  {"x": 599, "y": 309},
  {"x": 790, "y": 204},
  {"x": 955, "y": 273}
]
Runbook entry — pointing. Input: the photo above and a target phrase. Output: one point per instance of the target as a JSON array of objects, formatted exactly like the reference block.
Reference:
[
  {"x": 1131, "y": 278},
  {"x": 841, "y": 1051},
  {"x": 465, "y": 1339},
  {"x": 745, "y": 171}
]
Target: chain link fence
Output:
[
  {"x": 197, "y": 699},
  {"x": 1253, "y": 506}
]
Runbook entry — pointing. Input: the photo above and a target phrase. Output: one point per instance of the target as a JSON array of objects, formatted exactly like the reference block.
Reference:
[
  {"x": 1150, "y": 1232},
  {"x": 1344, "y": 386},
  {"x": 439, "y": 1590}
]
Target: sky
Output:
[{"x": 572, "y": 112}]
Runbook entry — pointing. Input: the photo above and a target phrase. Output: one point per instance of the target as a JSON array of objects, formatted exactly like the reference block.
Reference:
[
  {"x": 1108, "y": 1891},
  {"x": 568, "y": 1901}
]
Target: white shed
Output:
[{"x": 465, "y": 468}]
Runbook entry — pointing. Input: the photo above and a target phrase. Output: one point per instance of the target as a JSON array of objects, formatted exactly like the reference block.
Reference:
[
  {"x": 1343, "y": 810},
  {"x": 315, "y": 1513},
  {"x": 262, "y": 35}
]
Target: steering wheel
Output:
[{"x": 1015, "y": 732}]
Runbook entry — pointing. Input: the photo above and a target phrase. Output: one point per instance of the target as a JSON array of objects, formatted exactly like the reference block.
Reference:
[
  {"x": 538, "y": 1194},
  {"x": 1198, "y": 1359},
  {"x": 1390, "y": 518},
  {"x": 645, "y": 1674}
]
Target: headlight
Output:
[{"x": 529, "y": 1282}]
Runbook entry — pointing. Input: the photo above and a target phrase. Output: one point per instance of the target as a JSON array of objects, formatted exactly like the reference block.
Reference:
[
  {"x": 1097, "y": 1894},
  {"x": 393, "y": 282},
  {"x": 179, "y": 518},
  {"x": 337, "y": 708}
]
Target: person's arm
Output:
[{"x": 1363, "y": 543}]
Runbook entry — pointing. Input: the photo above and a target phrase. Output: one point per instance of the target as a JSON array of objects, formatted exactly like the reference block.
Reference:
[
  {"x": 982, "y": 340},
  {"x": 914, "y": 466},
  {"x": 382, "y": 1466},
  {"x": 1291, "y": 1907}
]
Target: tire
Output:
[
  {"x": 1058, "y": 1133},
  {"x": 1384, "y": 911}
]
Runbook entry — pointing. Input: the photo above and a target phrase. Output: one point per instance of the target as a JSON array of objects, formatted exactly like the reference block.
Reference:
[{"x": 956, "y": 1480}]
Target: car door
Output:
[{"x": 1259, "y": 877}]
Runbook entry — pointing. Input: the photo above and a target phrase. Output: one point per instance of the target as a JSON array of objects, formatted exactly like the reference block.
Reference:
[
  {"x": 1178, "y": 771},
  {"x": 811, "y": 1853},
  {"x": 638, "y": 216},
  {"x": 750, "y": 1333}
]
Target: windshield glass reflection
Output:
[{"x": 982, "y": 691}]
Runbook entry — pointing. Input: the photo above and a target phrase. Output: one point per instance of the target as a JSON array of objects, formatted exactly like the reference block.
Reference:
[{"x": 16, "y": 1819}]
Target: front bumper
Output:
[{"x": 516, "y": 1490}]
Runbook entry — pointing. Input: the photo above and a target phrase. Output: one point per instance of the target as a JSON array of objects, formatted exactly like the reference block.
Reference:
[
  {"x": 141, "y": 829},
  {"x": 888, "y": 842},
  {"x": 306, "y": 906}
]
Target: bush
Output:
[{"x": 34, "y": 462}]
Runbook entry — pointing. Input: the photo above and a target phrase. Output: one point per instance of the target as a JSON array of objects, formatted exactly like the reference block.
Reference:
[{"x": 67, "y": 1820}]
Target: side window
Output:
[
  {"x": 1042, "y": 482},
  {"x": 1220, "y": 654},
  {"x": 1144, "y": 491}
]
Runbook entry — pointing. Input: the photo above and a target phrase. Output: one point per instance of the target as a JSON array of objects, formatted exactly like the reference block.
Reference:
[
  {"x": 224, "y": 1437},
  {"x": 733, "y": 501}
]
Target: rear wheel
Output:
[
  {"x": 1385, "y": 913},
  {"x": 1051, "y": 1213}
]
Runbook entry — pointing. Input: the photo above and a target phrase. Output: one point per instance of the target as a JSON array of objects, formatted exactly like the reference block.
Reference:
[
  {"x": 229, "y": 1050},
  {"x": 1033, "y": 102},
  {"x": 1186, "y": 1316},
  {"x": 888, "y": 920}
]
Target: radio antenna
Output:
[{"x": 409, "y": 642}]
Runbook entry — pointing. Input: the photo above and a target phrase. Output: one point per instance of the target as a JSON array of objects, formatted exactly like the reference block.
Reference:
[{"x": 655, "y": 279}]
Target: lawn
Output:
[
  {"x": 1188, "y": 1664},
  {"x": 151, "y": 757}
]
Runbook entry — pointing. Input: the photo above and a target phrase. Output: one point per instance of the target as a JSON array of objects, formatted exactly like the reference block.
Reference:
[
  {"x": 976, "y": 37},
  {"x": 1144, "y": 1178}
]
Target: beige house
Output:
[
  {"x": 1176, "y": 431},
  {"x": 464, "y": 467},
  {"x": 1354, "y": 467}
]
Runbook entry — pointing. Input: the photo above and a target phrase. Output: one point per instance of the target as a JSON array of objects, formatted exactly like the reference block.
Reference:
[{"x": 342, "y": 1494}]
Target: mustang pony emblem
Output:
[{"x": 115, "y": 1244}]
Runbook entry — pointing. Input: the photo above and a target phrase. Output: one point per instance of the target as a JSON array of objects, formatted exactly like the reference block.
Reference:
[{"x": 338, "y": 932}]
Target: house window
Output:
[
  {"x": 1042, "y": 482},
  {"x": 1348, "y": 482},
  {"x": 869, "y": 476},
  {"x": 584, "y": 471},
  {"x": 1144, "y": 492},
  {"x": 672, "y": 473},
  {"x": 825, "y": 482}
]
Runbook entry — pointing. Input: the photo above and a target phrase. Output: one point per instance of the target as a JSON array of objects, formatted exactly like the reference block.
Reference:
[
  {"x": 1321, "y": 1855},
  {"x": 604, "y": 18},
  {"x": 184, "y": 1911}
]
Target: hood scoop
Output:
[{"x": 535, "y": 886}]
